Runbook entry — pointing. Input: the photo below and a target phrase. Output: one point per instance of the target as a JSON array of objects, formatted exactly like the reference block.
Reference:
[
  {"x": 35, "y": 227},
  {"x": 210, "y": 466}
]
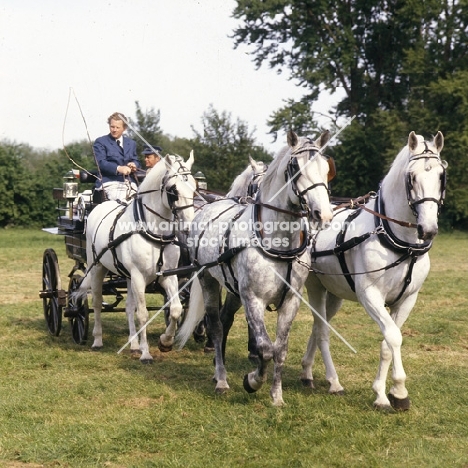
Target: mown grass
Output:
[{"x": 64, "y": 405}]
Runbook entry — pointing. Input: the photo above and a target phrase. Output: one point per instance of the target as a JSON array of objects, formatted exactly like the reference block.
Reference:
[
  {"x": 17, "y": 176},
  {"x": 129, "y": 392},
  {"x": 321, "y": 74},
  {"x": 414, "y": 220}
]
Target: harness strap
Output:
[
  {"x": 274, "y": 253},
  {"x": 203, "y": 232},
  {"x": 299, "y": 214},
  {"x": 233, "y": 289},
  {"x": 407, "y": 279},
  {"x": 285, "y": 289},
  {"x": 388, "y": 238},
  {"x": 113, "y": 243},
  {"x": 340, "y": 254}
]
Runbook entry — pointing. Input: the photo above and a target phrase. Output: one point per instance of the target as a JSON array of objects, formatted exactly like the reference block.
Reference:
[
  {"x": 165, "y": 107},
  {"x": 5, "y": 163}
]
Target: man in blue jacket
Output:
[{"x": 117, "y": 159}]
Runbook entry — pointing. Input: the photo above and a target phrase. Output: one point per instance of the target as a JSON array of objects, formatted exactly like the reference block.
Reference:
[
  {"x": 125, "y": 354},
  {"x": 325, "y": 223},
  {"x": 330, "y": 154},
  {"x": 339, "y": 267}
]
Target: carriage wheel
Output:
[
  {"x": 77, "y": 311},
  {"x": 52, "y": 294}
]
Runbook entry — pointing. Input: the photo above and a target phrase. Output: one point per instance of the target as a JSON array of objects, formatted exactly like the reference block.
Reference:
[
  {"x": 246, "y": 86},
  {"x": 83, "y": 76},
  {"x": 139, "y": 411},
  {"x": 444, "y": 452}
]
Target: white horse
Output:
[
  {"x": 380, "y": 258},
  {"x": 246, "y": 184},
  {"x": 258, "y": 251},
  {"x": 137, "y": 240}
]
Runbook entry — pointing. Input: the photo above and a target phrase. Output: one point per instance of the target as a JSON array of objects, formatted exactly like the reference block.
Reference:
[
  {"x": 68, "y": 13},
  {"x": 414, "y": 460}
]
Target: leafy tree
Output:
[
  {"x": 222, "y": 150},
  {"x": 147, "y": 125},
  {"x": 385, "y": 56},
  {"x": 11, "y": 174}
]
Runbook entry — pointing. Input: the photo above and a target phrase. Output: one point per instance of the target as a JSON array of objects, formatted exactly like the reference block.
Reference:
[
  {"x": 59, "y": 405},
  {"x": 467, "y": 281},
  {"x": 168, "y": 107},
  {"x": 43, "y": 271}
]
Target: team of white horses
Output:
[{"x": 273, "y": 234}]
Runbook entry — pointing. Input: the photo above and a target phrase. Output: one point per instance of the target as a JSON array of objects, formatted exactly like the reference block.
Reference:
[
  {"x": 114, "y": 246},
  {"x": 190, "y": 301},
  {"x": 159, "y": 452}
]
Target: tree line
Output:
[
  {"x": 29, "y": 176},
  {"x": 400, "y": 66}
]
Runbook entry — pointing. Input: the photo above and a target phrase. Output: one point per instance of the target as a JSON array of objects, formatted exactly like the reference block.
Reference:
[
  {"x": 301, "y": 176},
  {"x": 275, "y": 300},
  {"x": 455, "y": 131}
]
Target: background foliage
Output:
[{"x": 394, "y": 65}]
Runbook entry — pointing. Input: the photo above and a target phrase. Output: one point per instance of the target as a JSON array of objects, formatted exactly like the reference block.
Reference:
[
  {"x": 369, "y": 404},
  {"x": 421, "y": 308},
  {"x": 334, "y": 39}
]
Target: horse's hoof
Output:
[
  {"x": 221, "y": 391},
  {"x": 338, "y": 393},
  {"x": 384, "y": 408},
  {"x": 199, "y": 338},
  {"x": 96, "y": 348},
  {"x": 399, "y": 404},
  {"x": 135, "y": 352},
  {"x": 208, "y": 349},
  {"x": 163, "y": 348},
  {"x": 309, "y": 383},
  {"x": 247, "y": 386},
  {"x": 146, "y": 361},
  {"x": 278, "y": 403}
]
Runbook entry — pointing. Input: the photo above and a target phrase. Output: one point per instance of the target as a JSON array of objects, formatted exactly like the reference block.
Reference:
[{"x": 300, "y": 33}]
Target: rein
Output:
[
  {"x": 300, "y": 214},
  {"x": 359, "y": 203}
]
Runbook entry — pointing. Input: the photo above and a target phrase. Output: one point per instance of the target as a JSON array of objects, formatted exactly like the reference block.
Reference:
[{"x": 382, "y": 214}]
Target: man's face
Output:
[
  {"x": 151, "y": 160},
  {"x": 116, "y": 128}
]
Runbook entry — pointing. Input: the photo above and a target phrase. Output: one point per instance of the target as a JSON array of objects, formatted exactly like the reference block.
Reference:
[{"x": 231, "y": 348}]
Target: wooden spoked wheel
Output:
[
  {"x": 77, "y": 311},
  {"x": 51, "y": 294}
]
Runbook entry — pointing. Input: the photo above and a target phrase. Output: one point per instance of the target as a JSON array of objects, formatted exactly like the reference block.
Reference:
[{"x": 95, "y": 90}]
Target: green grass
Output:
[{"x": 63, "y": 405}]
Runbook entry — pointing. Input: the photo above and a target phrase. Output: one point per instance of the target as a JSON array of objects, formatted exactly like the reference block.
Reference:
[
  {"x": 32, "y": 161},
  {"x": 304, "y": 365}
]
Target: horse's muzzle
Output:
[{"x": 426, "y": 235}]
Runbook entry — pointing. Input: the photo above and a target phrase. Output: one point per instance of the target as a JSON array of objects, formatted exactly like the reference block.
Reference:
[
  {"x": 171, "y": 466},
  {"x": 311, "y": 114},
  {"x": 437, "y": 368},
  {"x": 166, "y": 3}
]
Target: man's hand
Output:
[
  {"x": 132, "y": 166},
  {"x": 124, "y": 170}
]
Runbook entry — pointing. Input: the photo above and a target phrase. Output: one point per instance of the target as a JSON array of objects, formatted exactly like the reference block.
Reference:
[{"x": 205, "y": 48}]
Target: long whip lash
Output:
[
  {"x": 312, "y": 309},
  {"x": 71, "y": 90}
]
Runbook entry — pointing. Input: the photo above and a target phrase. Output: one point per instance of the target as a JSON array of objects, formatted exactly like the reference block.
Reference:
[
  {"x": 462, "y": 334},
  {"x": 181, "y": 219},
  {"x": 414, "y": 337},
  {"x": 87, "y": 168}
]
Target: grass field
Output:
[{"x": 62, "y": 405}]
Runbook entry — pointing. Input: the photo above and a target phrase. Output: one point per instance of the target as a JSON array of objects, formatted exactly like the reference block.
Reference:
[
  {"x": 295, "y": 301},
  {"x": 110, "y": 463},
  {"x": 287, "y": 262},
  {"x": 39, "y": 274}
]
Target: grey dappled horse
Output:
[{"x": 258, "y": 252}]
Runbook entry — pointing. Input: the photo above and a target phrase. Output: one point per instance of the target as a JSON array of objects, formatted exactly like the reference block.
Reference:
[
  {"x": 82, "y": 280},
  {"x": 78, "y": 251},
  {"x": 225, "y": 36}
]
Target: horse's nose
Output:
[
  {"x": 324, "y": 215},
  {"x": 426, "y": 235},
  {"x": 317, "y": 215}
]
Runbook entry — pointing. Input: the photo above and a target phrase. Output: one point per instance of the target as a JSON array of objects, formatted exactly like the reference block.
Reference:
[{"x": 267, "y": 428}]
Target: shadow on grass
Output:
[{"x": 189, "y": 369}]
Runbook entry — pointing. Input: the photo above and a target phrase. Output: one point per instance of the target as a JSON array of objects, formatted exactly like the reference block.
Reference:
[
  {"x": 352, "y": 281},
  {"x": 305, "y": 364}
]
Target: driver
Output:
[{"x": 117, "y": 159}]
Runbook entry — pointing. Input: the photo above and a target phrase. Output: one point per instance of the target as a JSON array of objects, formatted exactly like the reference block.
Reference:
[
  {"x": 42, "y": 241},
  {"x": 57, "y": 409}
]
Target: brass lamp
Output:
[
  {"x": 70, "y": 191},
  {"x": 201, "y": 180}
]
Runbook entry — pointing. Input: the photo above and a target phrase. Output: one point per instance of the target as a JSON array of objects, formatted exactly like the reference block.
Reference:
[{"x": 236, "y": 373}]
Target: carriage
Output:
[{"x": 73, "y": 209}]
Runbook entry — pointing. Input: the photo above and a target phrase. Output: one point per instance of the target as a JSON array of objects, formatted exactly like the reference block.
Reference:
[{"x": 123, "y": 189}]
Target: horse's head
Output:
[
  {"x": 425, "y": 182},
  {"x": 308, "y": 172},
  {"x": 178, "y": 188},
  {"x": 258, "y": 171}
]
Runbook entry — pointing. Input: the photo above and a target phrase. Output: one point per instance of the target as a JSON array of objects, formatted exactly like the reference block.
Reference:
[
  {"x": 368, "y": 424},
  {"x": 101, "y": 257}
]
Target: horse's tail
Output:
[
  {"x": 82, "y": 291},
  {"x": 194, "y": 314}
]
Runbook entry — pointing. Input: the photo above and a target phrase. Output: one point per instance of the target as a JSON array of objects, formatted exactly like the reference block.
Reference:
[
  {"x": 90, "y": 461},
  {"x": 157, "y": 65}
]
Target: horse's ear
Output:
[
  {"x": 439, "y": 141},
  {"x": 292, "y": 139},
  {"x": 413, "y": 141},
  {"x": 323, "y": 139},
  {"x": 252, "y": 161},
  {"x": 190, "y": 160}
]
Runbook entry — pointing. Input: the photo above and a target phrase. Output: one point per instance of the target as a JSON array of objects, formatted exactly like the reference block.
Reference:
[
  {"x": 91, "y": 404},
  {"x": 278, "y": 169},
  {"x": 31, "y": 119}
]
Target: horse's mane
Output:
[
  {"x": 400, "y": 163},
  {"x": 281, "y": 155},
  {"x": 240, "y": 184},
  {"x": 274, "y": 166},
  {"x": 154, "y": 176}
]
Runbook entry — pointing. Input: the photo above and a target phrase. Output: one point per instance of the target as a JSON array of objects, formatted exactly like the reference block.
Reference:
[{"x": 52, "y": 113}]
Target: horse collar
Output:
[
  {"x": 387, "y": 236},
  {"x": 257, "y": 239}
]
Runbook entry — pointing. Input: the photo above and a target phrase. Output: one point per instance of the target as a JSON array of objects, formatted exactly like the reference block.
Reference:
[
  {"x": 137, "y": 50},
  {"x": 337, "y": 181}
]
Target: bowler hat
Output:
[{"x": 151, "y": 150}]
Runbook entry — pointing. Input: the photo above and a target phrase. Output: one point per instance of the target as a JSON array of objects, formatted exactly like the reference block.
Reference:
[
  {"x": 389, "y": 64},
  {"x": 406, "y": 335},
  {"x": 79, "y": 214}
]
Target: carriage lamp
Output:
[
  {"x": 70, "y": 190},
  {"x": 201, "y": 180}
]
